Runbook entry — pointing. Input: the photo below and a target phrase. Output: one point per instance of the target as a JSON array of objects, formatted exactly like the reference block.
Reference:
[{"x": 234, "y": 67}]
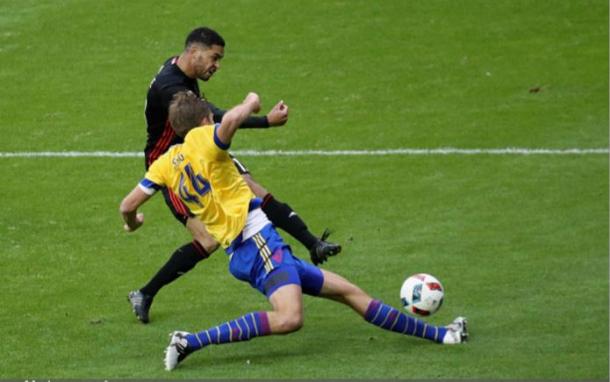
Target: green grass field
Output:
[{"x": 520, "y": 242}]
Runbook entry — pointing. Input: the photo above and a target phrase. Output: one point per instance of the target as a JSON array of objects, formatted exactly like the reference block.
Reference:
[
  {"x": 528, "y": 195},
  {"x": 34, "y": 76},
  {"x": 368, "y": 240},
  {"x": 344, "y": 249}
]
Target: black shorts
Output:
[
  {"x": 240, "y": 167},
  {"x": 179, "y": 209}
]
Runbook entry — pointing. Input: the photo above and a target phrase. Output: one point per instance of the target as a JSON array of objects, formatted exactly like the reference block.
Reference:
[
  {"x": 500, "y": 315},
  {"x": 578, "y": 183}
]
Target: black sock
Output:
[
  {"x": 282, "y": 216},
  {"x": 182, "y": 261}
]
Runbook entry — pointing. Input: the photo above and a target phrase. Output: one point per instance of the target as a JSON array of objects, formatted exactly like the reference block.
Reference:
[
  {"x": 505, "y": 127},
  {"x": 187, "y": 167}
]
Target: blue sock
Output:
[
  {"x": 251, "y": 325},
  {"x": 389, "y": 318}
]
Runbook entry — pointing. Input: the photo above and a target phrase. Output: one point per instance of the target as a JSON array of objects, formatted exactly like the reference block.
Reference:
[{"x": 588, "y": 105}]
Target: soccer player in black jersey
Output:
[{"x": 204, "y": 48}]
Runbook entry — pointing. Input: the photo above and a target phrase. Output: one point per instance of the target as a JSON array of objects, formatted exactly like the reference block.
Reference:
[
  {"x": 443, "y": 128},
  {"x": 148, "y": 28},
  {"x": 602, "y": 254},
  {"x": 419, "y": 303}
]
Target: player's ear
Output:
[{"x": 208, "y": 120}]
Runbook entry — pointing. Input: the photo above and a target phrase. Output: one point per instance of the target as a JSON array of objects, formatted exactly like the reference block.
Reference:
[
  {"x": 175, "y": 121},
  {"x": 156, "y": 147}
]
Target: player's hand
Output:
[
  {"x": 253, "y": 100},
  {"x": 278, "y": 116},
  {"x": 137, "y": 223}
]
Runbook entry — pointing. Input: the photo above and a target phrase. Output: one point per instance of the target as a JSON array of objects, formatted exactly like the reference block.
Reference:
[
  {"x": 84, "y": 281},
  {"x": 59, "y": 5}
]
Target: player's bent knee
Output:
[
  {"x": 199, "y": 233},
  {"x": 287, "y": 315},
  {"x": 289, "y": 323},
  {"x": 210, "y": 245}
]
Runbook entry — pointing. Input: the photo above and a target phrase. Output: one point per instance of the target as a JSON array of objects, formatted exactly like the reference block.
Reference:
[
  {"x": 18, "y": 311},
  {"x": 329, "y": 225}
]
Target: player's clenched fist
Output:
[{"x": 278, "y": 115}]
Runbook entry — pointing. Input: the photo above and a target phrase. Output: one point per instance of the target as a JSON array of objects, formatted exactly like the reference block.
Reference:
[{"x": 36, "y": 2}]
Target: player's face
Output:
[{"x": 206, "y": 61}]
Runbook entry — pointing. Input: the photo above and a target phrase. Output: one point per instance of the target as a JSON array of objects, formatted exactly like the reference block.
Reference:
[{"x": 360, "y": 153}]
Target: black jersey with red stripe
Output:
[{"x": 168, "y": 81}]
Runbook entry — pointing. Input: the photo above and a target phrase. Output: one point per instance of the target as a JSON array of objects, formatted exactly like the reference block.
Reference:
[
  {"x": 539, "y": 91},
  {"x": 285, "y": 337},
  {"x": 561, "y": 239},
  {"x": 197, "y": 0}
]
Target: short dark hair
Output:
[
  {"x": 186, "y": 111},
  {"x": 205, "y": 36}
]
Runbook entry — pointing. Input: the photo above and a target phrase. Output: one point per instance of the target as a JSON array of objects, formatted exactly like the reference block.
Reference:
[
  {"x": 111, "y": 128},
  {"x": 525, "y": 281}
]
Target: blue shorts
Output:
[{"x": 267, "y": 263}]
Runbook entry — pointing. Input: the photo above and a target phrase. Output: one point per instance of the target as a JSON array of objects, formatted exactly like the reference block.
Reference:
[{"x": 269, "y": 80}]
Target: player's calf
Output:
[{"x": 244, "y": 328}]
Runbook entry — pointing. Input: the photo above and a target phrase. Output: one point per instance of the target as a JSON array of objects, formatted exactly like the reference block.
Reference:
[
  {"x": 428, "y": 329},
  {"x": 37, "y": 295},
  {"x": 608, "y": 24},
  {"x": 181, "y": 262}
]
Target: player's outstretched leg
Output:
[
  {"x": 386, "y": 317},
  {"x": 286, "y": 317},
  {"x": 244, "y": 328}
]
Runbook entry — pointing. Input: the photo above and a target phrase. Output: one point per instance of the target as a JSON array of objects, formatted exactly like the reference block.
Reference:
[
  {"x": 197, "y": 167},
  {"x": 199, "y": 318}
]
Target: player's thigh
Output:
[
  {"x": 199, "y": 233},
  {"x": 287, "y": 299},
  {"x": 338, "y": 288},
  {"x": 287, "y": 314}
]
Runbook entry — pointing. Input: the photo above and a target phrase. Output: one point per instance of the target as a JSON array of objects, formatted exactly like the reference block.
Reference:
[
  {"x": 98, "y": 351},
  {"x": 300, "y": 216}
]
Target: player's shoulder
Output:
[
  {"x": 168, "y": 160},
  {"x": 172, "y": 151},
  {"x": 201, "y": 132},
  {"x": 169, "y": 74},
  {"x": 206, "y": 135}
]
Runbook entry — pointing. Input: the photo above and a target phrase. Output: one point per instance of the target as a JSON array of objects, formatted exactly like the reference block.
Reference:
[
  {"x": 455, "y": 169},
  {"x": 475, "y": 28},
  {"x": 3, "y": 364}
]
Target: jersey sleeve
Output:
[
  {"x": 154, "y": 179},
  {"x": 252, "y": 122},
  {"x": 217, "y": 142}
]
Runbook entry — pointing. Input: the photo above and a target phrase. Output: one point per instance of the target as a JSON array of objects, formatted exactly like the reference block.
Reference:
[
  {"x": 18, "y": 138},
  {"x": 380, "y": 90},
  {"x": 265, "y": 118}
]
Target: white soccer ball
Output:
[{"x": 422, "y": 294}]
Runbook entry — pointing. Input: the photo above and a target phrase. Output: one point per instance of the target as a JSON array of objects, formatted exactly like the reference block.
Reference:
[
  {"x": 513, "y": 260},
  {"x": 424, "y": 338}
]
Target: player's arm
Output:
[
  {"x": 147, "y": 187},
  {"x": 235, "y": 117},
  {"x": 129, "y": 209},
  {"x": 277, "y": 116}
]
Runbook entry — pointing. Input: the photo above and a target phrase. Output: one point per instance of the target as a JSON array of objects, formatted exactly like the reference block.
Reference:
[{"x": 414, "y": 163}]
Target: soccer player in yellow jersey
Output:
[{"x": 202, "y": 173}]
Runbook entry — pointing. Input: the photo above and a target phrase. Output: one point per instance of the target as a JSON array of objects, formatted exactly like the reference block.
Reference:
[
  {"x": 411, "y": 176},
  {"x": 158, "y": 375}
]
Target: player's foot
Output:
[
  {"x": 457, "y": 332},
  {"x": 323, "y": 249},
  {"x": 177, "y": 350},
  {"x": 140, "y": 303}
]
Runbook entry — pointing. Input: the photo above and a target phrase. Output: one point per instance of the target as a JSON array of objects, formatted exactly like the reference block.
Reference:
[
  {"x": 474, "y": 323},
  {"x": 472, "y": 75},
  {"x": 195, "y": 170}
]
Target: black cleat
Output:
[
  {"x": 140, "y": 304},
  {"x": 320, "y": 252}
]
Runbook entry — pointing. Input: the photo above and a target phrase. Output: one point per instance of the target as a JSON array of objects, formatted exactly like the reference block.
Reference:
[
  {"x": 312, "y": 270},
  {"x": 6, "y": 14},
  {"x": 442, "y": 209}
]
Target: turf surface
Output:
[{"x": 520, "y": 242}]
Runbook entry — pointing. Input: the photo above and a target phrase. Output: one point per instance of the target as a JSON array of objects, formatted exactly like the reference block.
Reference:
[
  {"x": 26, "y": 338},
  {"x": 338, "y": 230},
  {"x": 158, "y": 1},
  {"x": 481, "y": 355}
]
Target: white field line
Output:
[{"x": 299, "y": 153}]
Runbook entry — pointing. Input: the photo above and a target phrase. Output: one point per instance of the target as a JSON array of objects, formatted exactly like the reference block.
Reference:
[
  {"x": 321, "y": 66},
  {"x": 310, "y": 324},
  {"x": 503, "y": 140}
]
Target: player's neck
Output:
[{"x": 182, "y": 63}]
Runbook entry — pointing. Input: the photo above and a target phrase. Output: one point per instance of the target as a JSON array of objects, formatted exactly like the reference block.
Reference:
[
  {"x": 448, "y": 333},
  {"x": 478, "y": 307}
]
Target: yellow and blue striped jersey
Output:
[{"x": 202, "y": 173}]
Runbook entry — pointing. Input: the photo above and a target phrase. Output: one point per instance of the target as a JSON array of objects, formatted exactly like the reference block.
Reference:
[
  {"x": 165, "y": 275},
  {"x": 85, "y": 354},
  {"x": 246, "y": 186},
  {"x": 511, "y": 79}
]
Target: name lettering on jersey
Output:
[{"x": 177, "y": 160}]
